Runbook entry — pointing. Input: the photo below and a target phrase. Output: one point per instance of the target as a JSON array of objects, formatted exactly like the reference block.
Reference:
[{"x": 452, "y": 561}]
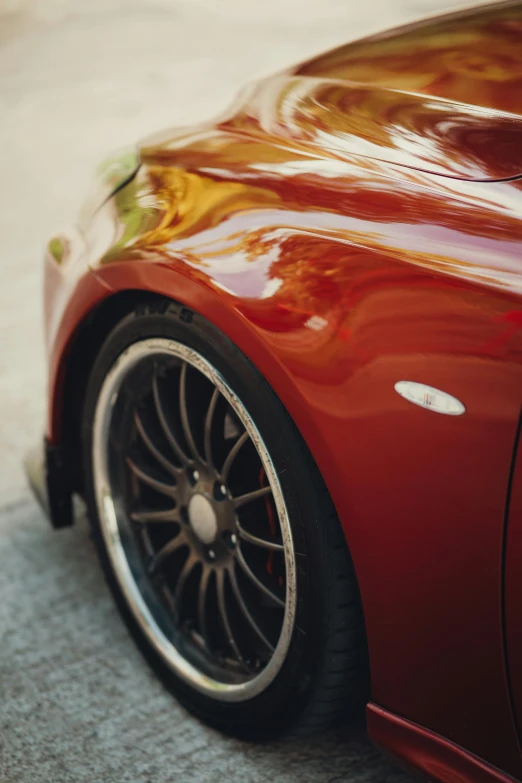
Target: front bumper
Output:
[{"x": 48, "y": 476}]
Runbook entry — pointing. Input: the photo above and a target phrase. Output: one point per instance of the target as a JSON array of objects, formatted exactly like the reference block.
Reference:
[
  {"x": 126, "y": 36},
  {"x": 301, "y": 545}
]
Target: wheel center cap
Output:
[{"x": 202, "y": 518}]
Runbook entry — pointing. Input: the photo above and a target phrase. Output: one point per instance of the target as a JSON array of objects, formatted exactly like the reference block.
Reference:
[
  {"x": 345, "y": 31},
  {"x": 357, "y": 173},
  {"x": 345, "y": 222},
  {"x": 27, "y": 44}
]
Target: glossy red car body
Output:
[{"x": 351, "y": 223}]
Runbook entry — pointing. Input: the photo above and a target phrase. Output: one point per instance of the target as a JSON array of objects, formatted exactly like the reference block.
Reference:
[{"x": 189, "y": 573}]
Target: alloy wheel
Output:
[{"x": 194, "y": 519}]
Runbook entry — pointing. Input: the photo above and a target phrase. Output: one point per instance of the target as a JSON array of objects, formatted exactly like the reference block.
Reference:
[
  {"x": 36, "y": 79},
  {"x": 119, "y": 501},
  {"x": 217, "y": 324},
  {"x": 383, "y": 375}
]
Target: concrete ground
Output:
[{"x": 78, "y": 79}]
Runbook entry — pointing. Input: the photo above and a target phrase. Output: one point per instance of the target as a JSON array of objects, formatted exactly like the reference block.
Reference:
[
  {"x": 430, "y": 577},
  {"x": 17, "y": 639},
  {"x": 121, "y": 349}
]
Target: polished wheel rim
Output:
[{"x": 194, "y": 519}]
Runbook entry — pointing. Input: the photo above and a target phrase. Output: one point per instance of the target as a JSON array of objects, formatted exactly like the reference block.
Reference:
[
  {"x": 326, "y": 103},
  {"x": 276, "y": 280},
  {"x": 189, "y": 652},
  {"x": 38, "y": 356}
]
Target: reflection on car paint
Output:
[{"x": 334, "y": 232}]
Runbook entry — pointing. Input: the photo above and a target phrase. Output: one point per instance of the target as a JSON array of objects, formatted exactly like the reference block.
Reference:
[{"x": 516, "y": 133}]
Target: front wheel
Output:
[{"x": 216, "y": 534}]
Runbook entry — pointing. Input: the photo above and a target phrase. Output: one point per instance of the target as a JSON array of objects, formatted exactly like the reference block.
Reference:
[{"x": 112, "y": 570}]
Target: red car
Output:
[{"x": 285, "y": 373}]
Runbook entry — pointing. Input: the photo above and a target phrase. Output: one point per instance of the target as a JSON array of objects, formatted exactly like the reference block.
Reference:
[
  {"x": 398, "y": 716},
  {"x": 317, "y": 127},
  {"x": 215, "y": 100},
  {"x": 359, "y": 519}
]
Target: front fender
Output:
[{"x": 336, "y": 289}]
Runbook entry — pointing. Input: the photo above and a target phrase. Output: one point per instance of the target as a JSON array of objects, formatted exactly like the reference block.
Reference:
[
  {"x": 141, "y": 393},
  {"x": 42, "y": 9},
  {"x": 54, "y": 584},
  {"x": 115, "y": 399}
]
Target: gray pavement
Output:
[
  {"x": 79, "y": 704},
  {"x": 78, "y": 79}
]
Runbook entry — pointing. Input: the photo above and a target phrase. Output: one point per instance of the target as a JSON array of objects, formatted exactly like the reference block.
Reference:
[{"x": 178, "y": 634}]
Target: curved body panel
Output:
[
  {"x": 337, "y": 288},
  {"x": 341, "y": 271},
  {"x": 471, "y": 57},
  {"x": 346, "y": 119}
]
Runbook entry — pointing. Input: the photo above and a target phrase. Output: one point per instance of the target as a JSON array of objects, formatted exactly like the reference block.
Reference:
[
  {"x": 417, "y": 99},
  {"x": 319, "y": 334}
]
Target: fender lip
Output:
[{"x": 47, "y": 475}]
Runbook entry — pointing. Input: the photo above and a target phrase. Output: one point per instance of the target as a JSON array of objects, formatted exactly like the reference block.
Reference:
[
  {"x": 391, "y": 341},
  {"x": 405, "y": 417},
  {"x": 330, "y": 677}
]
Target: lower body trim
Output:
[{"x": 424, "y": 751}]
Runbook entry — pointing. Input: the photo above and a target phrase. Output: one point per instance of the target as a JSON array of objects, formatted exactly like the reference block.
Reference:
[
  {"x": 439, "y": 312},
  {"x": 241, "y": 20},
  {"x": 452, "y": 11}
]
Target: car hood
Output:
[
  {"x": 472, "y": 57},
  {"x": 443, "y": 96},
  {"x": 348, "y": 120}
]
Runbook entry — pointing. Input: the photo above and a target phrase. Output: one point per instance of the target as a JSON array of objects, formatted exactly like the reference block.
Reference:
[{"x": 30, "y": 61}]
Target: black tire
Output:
[{"x": 324, "y": 678}]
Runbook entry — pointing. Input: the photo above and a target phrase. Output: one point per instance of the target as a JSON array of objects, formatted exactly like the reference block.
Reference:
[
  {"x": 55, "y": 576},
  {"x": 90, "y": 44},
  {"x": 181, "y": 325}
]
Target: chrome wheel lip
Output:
[{"x": 107, "y": 398}]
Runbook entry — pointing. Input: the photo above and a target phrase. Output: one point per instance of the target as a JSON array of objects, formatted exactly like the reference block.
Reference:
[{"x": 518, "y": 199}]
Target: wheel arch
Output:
[
  {"x": 74, "y": 368},
  {"x": 74, "y": 364},
  {"x": 74, "y": 356}
]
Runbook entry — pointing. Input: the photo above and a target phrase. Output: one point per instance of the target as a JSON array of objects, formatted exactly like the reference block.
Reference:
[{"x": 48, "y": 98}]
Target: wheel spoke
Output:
[
  {"x": 183, "y": 410},
  {"x": 232, "y": 455},
  {"x": 167, "y": 595},
  {"x": 256, "y": 541},
  {"x": 250, "y": 496},
  {"x": 166, "y": 550},
  {"x": 190, "y": 563},
  {"x": 167, "y": 430},
  {"x": 152, "y": 516},
  {"x": 202, "y": 604},
  {"x": 246, "y": 612},
  {"x": 222, "y": 606},
  {"x": 209, "y": 419},
  {"x": 256, "y": 581},
  {"x": 165, "y": 489},
  {"x": 156, "y": 453}
]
